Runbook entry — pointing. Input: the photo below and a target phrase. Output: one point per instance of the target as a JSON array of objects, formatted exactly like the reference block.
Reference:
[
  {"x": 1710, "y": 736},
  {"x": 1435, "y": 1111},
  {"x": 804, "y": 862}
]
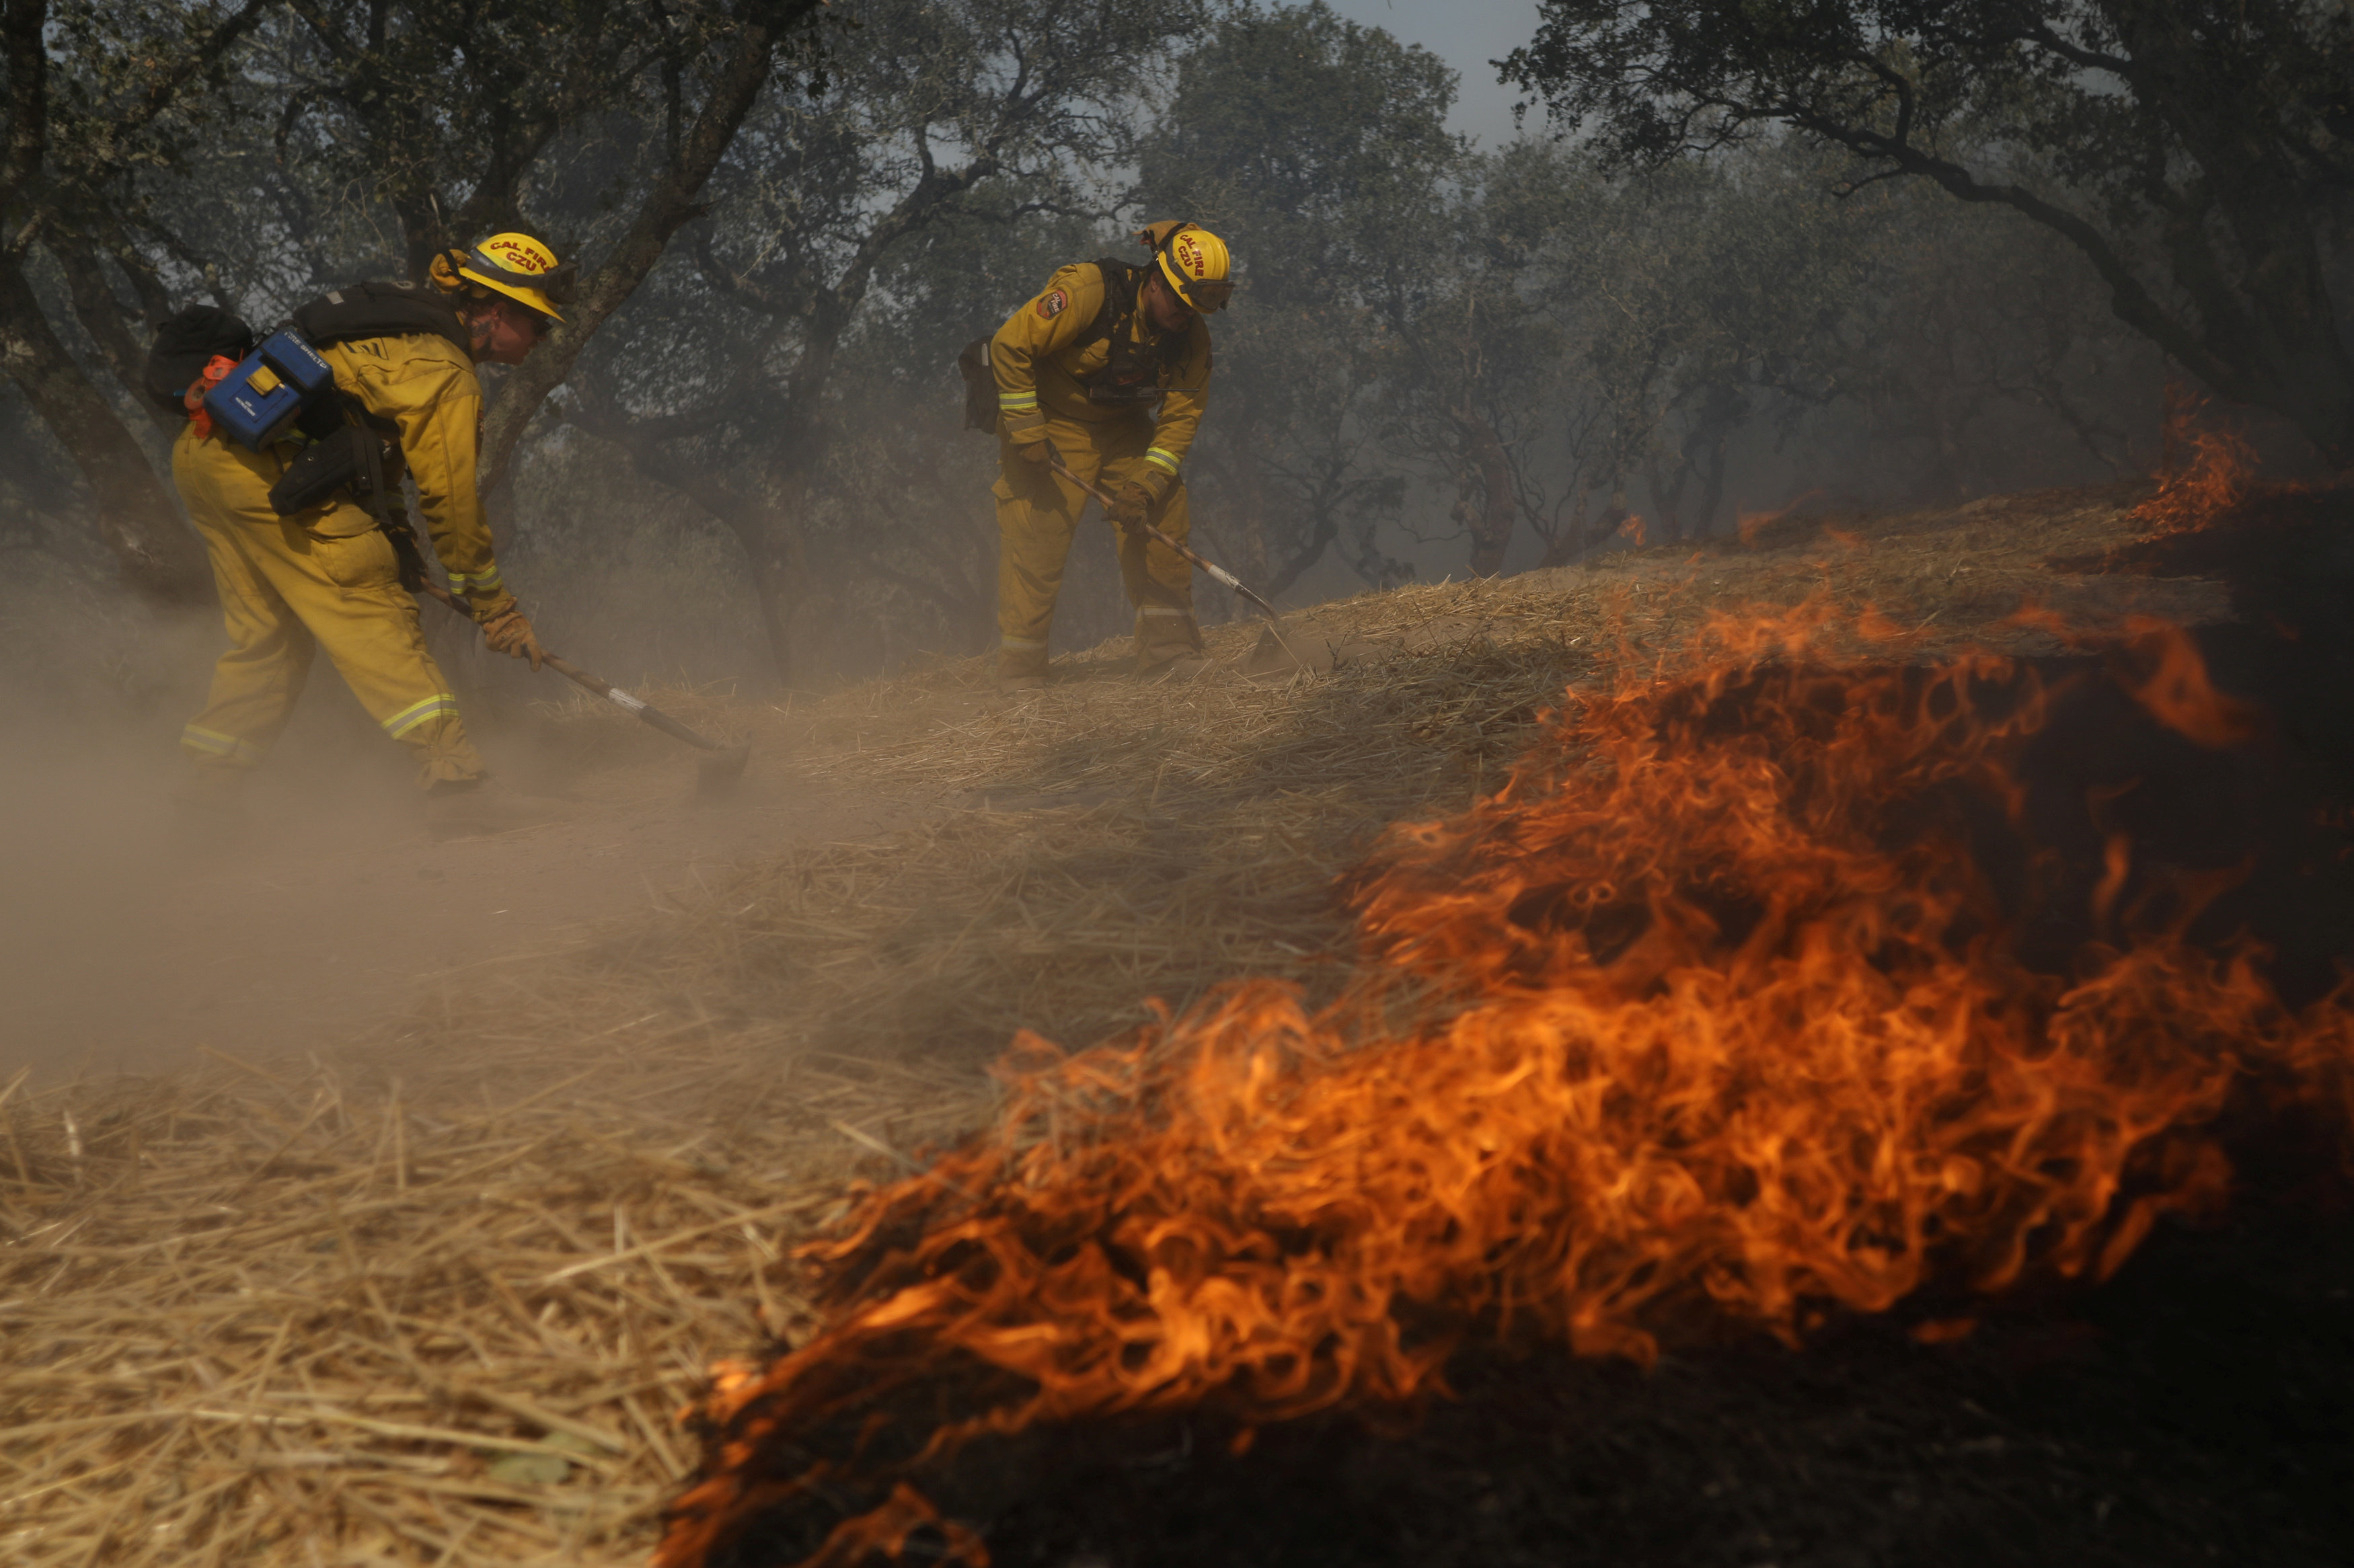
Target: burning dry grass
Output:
[
  {"x": 1713, "y": 1012},
  {"x": 298, "y": 1315}
]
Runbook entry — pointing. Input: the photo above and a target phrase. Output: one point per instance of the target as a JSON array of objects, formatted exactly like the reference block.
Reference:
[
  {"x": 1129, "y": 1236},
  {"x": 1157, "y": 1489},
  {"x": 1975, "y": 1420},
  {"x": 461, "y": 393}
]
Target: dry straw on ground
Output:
[
  {"x": 387, "y": 1307},
  {"x": 269, "y": 1315}
]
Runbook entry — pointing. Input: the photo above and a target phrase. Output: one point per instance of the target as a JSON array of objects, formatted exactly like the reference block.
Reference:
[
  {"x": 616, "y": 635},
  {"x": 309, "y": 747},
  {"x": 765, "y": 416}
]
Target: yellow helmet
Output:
[
  {"x": 515, "y": 265},
  {"x": 1195, "y": 263}
]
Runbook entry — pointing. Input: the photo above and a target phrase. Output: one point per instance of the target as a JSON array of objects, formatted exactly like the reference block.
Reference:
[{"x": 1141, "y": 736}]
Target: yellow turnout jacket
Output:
[
  {"x": 1045, "y": 350},
  {"x": 424, "y": 385}
]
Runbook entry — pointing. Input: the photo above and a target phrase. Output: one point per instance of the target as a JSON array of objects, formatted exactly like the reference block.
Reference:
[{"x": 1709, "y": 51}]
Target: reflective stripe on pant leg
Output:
[
  {"x": 443, "y": 752},
  {"x": 439, "y": 738},
  {"x": 1021, "y": 656},
  {"x": 346, "y": 587},
  {"x": 417, "y": 713},
  {"x": 212, "y": 743}
]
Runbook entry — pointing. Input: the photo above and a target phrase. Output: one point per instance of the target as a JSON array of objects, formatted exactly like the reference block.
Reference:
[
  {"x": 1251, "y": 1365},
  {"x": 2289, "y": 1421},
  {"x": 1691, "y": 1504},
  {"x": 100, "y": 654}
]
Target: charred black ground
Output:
[{"x": 2191, "y": 1411}]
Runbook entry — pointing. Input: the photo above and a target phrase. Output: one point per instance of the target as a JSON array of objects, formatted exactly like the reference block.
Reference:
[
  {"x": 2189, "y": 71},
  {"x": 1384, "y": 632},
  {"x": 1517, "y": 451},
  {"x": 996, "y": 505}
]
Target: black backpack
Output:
[
  {"x": 1131, "y": 374},
  {"x": 183, "y": 345},
  {"x": 380, "y": 310},
  {"x": 346, "y": 450}
]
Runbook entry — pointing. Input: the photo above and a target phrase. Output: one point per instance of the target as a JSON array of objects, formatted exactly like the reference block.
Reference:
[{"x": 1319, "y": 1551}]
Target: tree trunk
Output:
[
  {"x": 1711, "y": 495},
  {"x": 100, "y": 315},
  {"x": 778, "y": 557},
  {"x": 1667, "y": 498},
  {"x": 160, "y": 557},
  {"x": 774, "y": 558},
  {"x": 1568, "y": 538},
  {"x": 1322, "y": 529},
  {"x": 1705, "y": 449},
  {"x": 2267, "y": 336},
  {"x": 775, "y": 555},
  {"x": 2273, "y": 322},
  {"x": 1250, "y": 493},
  {"x": 1491, "y": 524},
  {"x": 774, "y": 588},
  {"x": 669, "y": 205}
]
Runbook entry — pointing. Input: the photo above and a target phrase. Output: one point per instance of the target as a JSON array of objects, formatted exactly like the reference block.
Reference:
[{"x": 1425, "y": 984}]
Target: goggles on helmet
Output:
[{"x": 1207, "y": 294}]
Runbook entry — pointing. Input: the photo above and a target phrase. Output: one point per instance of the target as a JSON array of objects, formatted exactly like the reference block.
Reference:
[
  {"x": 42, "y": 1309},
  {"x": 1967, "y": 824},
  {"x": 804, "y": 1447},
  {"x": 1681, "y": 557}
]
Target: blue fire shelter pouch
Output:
[{"x": 259, "y": 402}]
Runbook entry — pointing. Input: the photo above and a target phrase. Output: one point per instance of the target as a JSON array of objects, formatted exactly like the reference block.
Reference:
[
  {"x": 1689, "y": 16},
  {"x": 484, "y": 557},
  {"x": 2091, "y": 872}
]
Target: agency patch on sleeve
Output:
[{"x": 1051, "y": 303}]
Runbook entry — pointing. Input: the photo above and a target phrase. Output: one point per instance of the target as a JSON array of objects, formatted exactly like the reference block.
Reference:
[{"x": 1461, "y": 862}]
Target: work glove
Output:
[
  {"x": 1027, "y": 431},
  {"x": 509, "y": 632},
  {"x": 1131, "y": 505}
]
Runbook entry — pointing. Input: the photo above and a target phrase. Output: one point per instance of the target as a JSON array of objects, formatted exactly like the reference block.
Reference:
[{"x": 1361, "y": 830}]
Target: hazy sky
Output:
[{"x": 1467, "y": 35}]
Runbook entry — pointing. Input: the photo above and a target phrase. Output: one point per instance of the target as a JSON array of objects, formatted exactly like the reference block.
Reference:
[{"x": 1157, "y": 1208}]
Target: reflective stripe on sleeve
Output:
[
  {"x": 213, "y": 743},
  {"x": 1165, "y": 461},
  {"x": 416, "y": 713},
  {"x": 474, "y": 582},
  {"x": 1016, "y": 402}
]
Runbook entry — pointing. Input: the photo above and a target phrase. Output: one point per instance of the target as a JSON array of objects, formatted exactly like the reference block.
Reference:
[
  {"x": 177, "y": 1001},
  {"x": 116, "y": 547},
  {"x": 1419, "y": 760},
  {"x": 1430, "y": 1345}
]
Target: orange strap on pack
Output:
[{"x": 193, "y": 400}]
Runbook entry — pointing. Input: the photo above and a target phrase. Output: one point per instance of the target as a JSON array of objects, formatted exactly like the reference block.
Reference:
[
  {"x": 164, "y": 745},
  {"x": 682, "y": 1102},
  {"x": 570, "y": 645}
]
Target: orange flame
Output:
[
  {"x": 1748, "y": 525},
  {"x": 2176, "y": 692},
  {"x": 2218, "y": 477},
  {"x": 1709, "y": 1015}
]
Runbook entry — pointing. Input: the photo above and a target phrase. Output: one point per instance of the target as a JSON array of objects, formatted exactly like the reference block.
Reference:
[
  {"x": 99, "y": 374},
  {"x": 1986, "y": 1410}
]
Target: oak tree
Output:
[{"x": 2188, "y": 149}]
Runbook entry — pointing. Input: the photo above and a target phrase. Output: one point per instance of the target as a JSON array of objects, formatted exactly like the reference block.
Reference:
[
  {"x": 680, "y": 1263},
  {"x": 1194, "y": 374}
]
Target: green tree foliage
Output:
[
  {"x": 974, "y": 113},
  {"x": 746, "y": 438},
  {"x": 1322, "y": 147},
  {"x": 481, "y": 104},
  {"x": 2187, "y": 148},
  {"x": 95, "y": 93},
  {"x": 255, "y": 152},
  {"x": 1467, "y": 347}
]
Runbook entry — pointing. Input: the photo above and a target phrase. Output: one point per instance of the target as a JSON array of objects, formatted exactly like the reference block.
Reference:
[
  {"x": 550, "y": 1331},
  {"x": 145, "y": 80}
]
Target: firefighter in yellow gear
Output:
[
  {"x": 1108, "y": 369},
  {"x": 328, "y": 575}
]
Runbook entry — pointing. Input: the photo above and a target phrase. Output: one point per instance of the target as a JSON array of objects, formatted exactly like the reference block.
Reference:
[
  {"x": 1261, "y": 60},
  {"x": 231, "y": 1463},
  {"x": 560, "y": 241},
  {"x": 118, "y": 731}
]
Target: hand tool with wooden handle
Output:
[
  {"x": 1217, "y": 573},
  {"x": 715, "y": 774}
]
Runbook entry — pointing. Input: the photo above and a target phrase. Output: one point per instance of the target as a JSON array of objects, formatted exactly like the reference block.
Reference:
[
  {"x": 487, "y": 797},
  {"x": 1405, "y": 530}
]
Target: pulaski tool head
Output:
[{"x": 717, "y": 773}]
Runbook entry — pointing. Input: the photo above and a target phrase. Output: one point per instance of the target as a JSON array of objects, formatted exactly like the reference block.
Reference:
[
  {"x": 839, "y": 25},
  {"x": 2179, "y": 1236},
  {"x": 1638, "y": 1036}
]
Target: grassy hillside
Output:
[{"x": 434, "y": 1295}]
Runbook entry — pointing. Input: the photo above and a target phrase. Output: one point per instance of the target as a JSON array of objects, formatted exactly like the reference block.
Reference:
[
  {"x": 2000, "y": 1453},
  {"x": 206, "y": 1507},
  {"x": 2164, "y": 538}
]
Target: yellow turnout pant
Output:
[
  {"x": 1038, "y": 512},
  {"x": 289, "y": 586}
]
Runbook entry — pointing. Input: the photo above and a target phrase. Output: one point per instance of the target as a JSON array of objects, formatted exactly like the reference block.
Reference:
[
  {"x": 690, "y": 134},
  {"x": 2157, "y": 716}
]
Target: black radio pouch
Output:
[
  {"x": 351, "y": 456},
  {"x": 337, "y": 461}
]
